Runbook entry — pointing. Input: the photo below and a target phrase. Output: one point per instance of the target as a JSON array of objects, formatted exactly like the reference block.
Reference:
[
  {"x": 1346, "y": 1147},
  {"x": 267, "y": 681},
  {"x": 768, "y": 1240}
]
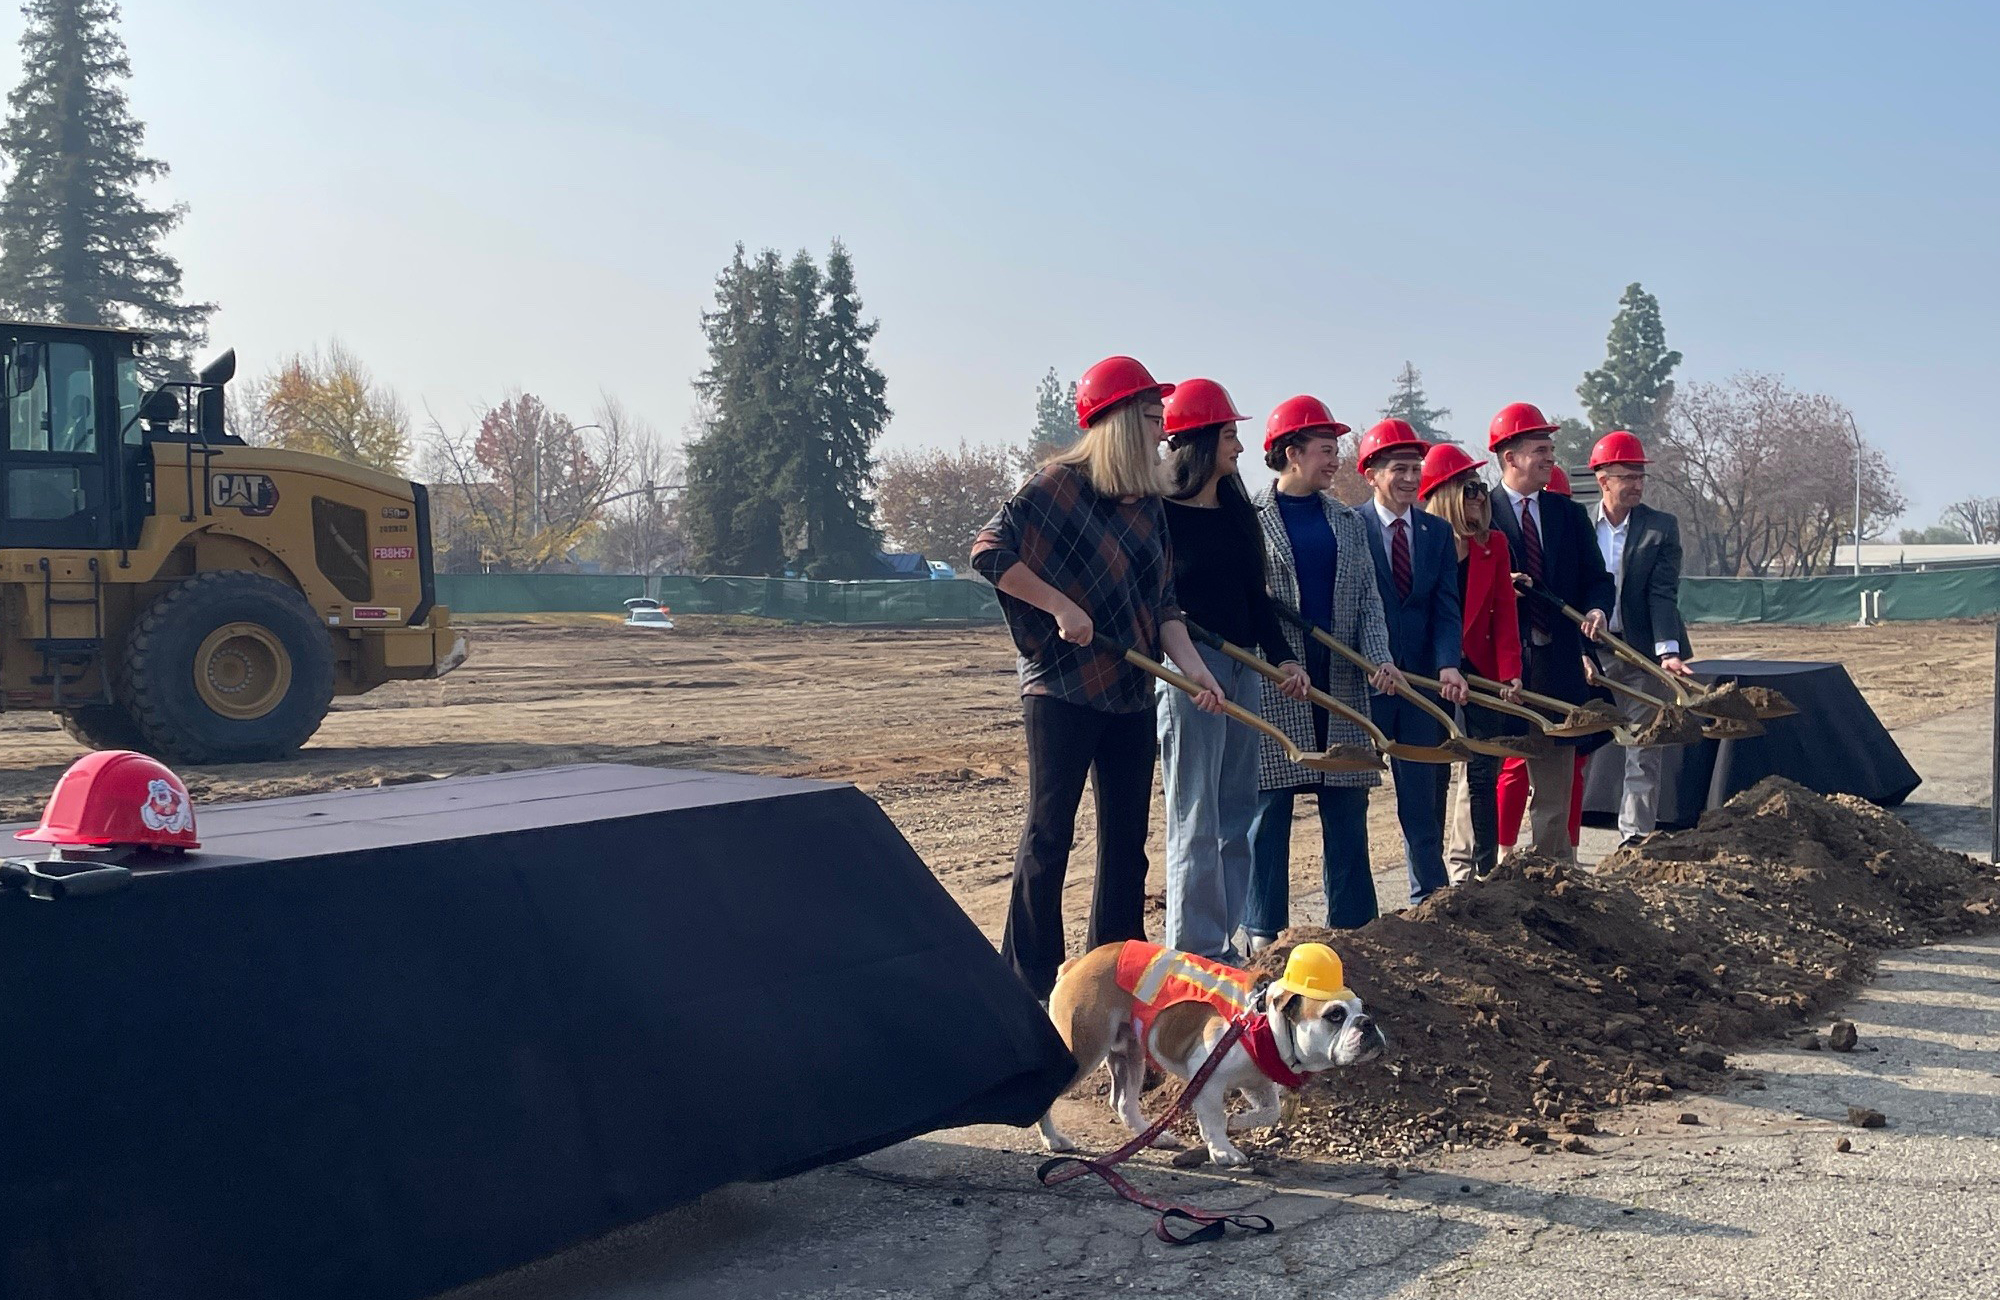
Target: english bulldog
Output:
[{"x": 1126, "y": 1002}]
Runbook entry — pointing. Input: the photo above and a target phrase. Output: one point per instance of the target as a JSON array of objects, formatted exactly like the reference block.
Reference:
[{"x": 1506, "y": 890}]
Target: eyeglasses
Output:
[
  {"x": 1475, "y": 488},
  {"x": 1637, "y": 476}
]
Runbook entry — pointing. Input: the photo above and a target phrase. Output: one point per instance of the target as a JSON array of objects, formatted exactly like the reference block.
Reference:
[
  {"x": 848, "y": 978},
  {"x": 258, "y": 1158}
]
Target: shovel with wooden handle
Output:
[
  {"x": 1341, "y": 758},
  {"x": 1671, "y": 724},
  {"x": 1455, "y": 737},
  {"x": 1445, "y": 753},
  {"x": 1586, "y": 719},
  {"x": 1724, "y": 703}
]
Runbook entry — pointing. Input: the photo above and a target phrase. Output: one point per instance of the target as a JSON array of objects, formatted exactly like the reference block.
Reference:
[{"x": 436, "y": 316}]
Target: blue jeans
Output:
[
  {"x": 1208, "y": 767},
  {"x": 1419, "y": 803},
  {"x": 1343, "y": 829}
]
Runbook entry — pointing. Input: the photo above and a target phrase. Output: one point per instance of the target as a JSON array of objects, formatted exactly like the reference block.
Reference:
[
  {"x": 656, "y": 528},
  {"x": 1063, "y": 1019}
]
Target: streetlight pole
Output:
[{"x": 1857, "y": 492}]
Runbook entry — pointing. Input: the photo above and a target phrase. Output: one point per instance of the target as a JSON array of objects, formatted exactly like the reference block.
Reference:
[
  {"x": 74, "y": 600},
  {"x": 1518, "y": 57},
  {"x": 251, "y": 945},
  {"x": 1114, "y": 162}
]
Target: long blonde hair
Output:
[
  {"x": 1448, "y": 503},
  {"x": 1117, "y": 453}
]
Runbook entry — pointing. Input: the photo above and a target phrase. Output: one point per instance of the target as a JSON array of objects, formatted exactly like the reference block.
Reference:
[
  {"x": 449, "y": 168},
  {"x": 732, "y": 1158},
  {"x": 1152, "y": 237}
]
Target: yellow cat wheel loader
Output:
[{"x": 166, "y": 588}]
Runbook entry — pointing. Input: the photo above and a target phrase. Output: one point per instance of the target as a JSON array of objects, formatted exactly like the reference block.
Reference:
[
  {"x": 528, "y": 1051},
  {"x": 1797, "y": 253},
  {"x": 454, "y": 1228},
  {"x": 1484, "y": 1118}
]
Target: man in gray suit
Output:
[{"x": 1642, "y": 552}]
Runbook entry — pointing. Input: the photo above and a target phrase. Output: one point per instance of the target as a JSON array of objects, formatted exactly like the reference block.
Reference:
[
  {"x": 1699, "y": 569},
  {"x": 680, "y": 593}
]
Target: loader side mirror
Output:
[
  {"x": 24, "y": 367},
  {"x": 219, "y": 371},
  {"x": 161, "y": 407}
]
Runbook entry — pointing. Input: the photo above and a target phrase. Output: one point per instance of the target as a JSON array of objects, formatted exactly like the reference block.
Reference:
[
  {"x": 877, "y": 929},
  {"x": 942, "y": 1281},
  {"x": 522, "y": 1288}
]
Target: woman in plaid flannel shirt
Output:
[{"x": 1081, "y": 549}]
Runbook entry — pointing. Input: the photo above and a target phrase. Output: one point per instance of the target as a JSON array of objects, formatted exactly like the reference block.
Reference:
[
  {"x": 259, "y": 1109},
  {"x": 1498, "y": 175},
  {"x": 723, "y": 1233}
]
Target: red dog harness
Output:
[{"x": 1158, "y": 978}]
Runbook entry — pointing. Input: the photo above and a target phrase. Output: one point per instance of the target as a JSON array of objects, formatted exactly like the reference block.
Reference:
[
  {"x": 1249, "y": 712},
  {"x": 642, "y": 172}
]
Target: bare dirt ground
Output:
[{"x": 926, "y": 721}]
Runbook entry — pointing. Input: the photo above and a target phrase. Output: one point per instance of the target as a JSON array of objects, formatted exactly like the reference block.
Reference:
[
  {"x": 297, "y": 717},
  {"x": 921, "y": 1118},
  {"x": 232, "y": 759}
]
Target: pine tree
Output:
[
  {"x": 1573, "y": 439},
  {"x": 1411, "y": 404},
  {"x": 795, "y": 463},
  {"x": 1055, "y": 423},
  {"x": 732, "y": 525},
  {"x": 855, "y": 412},
  {"x": 1631, "y": 389},
  {"x": 1055, "y": 414},
  {"x": 779, "y": 480},
  {"x": 76, "y": 242}
]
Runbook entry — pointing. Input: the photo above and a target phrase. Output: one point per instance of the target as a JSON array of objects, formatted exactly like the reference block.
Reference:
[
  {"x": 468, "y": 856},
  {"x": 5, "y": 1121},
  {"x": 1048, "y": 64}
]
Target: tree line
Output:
[{"x": 1761, "y": 474}]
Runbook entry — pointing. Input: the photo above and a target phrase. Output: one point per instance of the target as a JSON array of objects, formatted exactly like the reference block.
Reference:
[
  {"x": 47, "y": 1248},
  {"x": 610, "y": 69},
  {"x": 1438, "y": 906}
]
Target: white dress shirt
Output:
[{"x": 1382, "y": 513}]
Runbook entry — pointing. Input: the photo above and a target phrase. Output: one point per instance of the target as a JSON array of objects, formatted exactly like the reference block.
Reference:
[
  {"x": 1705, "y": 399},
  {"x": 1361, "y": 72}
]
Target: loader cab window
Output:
[
  {"x": 51, "y": 399},
  {"x": 52, "y": 480}
]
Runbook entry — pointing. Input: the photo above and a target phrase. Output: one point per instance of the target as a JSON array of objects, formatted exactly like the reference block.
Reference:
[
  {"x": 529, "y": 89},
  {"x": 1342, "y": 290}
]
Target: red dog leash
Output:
[{"x": 1211, "y": 1224}]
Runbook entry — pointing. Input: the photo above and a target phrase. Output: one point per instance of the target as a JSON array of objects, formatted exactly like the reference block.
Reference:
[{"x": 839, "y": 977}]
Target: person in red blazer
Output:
[
  {"x": 1491, "y": 645},
  {"x": 1513, "y": 785}
]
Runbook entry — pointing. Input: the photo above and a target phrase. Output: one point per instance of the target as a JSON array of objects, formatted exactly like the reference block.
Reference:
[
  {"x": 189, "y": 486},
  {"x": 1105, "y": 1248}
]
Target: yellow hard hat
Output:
[{"x": 1314, "y": 971}]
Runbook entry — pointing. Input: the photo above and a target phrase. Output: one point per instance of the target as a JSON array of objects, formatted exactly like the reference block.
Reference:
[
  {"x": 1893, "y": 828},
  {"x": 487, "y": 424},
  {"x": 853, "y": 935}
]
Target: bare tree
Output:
[
  {"x": 643, "y": 529},
  {"x": 246, "y": 411},
  {"x": 531, "y": 485},
  {"x": 1763, "y": 477},
  {"x": 1977, "y": 517}
]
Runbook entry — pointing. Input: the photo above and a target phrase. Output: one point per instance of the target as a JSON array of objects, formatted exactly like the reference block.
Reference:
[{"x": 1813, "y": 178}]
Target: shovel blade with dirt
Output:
[{"x": 1724, "y": 703}]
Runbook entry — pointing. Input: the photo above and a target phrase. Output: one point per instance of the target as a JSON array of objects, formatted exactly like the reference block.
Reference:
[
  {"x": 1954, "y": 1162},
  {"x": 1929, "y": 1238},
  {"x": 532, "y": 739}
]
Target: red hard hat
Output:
[
  {"x": 1558, "y": 481},
  {"x": 117, "y": 797},
  {"x": 1297, "y": 414},
  {"x": 1515, "y": 419},
  {"x": 1198, "y": 403},
  {"x": 1442, "y": 463},
  {"x": 1387, "y": 436},
  {"x": 1617, "y": 448},
  {"x": 1110, "y": 382}
]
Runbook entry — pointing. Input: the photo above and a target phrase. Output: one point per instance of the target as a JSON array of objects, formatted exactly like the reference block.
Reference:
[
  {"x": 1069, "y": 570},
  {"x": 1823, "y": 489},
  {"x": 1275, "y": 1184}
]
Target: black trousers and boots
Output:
[{"x": 1116, "y": 751}]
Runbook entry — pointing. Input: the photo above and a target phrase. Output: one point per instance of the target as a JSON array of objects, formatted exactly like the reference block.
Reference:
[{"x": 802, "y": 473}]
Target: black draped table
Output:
[{"x": 1834, "y": 745}]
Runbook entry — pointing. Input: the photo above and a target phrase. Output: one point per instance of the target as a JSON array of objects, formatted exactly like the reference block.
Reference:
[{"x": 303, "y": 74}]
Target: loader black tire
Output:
[
  {"x": 227, "y": 667},
  {"x": 103, "y": 726}
]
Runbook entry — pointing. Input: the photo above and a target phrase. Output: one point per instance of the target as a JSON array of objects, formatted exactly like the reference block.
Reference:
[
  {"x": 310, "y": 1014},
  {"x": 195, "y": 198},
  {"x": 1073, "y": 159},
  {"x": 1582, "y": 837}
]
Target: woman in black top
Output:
[{"x": 1208, "y": 764}]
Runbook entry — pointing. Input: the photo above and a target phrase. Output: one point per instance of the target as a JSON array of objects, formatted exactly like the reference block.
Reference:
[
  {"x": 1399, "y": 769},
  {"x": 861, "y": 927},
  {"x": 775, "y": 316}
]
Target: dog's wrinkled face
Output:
[{"x": 1326, "y": 1035}]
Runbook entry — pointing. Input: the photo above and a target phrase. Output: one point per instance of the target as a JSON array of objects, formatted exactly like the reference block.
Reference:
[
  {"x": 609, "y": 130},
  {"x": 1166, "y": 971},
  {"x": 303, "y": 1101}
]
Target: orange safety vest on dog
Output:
[{"x": 1158, "y": 978}]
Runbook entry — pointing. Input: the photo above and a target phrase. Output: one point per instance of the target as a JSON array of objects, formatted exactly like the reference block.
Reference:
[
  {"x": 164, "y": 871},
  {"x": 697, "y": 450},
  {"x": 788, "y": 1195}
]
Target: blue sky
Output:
[{"x": 1284, "y": 197}]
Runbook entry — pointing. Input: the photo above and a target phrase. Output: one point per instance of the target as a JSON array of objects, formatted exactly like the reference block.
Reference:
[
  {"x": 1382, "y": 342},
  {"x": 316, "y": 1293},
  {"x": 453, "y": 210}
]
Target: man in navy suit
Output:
[
  {"x": 1416, "y": 568},
  {"x": 1552, "y": 540}
]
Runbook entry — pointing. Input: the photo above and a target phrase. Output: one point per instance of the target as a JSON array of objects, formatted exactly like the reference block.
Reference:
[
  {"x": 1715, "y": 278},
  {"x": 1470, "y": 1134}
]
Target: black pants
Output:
[{"x": 1067, "y": 742}]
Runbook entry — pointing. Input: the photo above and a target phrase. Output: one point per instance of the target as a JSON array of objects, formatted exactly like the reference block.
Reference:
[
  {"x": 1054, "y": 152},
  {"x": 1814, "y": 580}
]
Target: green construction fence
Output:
[
  {"x": 1939, "y": 593},
  {"x": 1905, "y": 597},
  {"x": 792, "y": 600}
]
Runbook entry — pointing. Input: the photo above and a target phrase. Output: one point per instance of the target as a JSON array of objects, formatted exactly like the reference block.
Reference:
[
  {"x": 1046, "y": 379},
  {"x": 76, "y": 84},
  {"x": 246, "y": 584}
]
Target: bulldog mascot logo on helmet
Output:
[
  {"x": 166, "y": 809},
  {"x": 118, "y": 799}
]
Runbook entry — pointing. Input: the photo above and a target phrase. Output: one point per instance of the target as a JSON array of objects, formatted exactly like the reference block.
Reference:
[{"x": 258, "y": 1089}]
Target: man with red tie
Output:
[
  {"x": 1416, "y": 569},
  {"x": 1553, "y": 542}
]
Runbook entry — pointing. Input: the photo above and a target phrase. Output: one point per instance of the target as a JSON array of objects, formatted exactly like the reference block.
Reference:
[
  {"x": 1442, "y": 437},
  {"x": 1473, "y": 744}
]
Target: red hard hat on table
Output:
[
  {"x": 115, "y": 797},
  {"x": 1111, "y": 381},
  {"x": 1389, "y": 435},
  {"x": 1443, "y": 463},
  {"x": 1558, "y": 481},
  {"x": 1297, "y": 415},
  {"x": 1514, "y": 420},
  {"x": 1617, "y": 448},
  {"x": 1198, "y": 403}
]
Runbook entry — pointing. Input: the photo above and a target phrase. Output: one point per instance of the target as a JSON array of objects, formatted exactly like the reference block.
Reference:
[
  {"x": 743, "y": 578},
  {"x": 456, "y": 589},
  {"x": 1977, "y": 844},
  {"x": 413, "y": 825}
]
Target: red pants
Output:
[{"x": 1513, "y": 798}]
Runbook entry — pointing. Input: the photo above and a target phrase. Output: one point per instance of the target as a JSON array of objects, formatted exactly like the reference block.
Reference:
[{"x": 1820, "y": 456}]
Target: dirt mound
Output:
[{"x": 1548, "y": 992}]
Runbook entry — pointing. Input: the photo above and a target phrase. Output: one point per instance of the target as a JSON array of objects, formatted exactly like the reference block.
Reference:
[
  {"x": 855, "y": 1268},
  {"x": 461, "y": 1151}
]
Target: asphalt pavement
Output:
[{"x": 1754, "y": 1198}]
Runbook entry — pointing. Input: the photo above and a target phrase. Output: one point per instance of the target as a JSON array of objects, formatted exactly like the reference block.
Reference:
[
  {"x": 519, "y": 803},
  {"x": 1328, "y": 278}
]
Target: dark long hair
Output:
[{"x": 1190, "y": 462}]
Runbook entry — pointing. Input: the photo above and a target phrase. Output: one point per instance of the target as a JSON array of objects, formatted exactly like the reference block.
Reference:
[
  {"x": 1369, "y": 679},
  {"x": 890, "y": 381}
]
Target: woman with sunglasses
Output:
[{"x": 1452, "y": 490}]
